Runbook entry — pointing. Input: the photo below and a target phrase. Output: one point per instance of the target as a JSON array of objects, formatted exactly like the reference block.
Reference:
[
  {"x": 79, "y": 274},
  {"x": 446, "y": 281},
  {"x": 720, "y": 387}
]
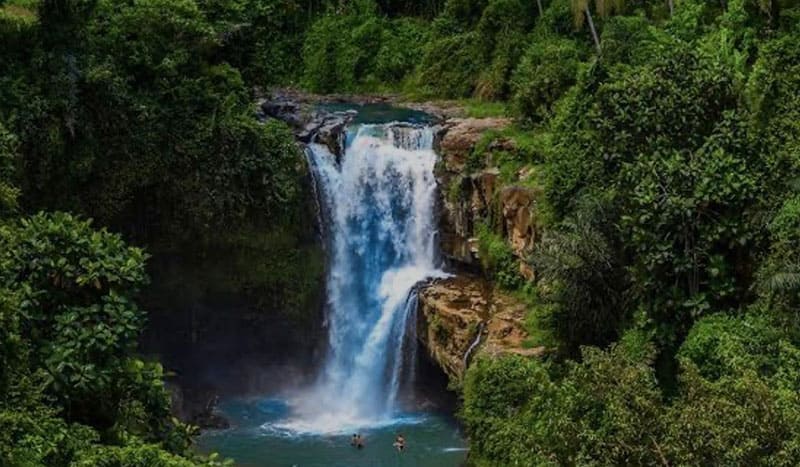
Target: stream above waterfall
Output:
[{"x": 377, "y": 210}]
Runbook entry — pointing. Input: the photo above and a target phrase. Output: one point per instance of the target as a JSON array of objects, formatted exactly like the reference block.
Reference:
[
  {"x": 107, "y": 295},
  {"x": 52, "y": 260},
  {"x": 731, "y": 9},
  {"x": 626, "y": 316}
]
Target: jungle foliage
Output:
[
  {"x": 668, "y": 268},
  {"x": 136, "y": 115},
  {"x": 665, "y": 139}
]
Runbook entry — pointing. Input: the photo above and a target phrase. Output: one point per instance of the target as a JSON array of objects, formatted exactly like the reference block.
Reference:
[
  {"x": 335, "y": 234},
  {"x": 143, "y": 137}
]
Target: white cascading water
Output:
[{"x": 379, "y": 203}]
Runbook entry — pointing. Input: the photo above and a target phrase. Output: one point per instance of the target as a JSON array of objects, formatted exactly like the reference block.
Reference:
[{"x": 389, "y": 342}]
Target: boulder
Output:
[
  {"x": 328, "y": 128},
  {"x": 309, "y": 126},
  {"x": 460, "y": 135},
  {"x": 197, "y": 406}
]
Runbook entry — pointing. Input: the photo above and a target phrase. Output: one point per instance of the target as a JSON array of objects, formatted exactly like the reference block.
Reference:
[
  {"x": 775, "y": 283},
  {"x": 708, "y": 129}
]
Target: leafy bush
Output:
[
  {"x": 356, "y": 51},
  {"x": 33, "y": 434},
  {"x": 723, "y": 346},
  {"x": 141, "y": 455},
  {"x": 740, "y": 420},
  {"x": 70, "y": 328},
  {"x": 546, "y": 71},
  {"x": 501, "y": 38},
  {"x": 399, "y": 53},
  {"x": 261, "y": 38},
  {"x": 76, "y": 288},
  {"x": 450, "y": 66},
  {"x": 630, "y": 40},
  {"x": 778, "y": 280},
  {"x": 605, "y": 410},
  {"x": 8, "y": 160},
  {"x": 497, "y": 394},
  {"x": 465, "y": 12},
  {"x": 580, "y": 280}
]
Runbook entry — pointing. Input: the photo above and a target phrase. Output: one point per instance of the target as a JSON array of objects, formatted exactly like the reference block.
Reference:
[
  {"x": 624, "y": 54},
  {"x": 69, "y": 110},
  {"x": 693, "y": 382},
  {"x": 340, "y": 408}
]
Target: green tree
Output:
[
  {"x": 76, "y": 312},
  {"x": 546, "y": 71},
  {"x": 605, "y": 410},
  {"x": 779, "y": 276},
  {"x": 581, "y": 281},
  {"x": 738, "y": 401},
  {"x": 583, "y": 14}
]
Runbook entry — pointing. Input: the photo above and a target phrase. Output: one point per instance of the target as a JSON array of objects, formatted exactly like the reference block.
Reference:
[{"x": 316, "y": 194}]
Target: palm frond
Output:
[{"x": 783, "y": 282}]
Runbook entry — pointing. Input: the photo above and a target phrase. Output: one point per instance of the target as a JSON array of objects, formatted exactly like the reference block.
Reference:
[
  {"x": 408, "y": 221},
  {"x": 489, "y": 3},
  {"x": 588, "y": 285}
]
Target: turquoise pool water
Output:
[{"x": 261, "y": 436}]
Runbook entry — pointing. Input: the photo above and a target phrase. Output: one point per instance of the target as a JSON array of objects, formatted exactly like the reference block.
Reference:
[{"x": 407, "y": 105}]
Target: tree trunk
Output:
[
  {"x": 671, "y": 4},
  {"x": 592, "y": 29},
  {"x": 539, "y": 5}
]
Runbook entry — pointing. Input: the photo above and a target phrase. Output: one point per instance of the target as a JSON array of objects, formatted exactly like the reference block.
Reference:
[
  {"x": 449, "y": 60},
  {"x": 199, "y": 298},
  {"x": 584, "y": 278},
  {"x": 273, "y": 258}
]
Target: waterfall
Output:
[{"x": 379, "y": 202}]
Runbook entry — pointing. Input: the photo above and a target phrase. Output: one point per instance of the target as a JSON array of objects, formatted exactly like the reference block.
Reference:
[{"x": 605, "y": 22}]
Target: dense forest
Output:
[{"x": 664, "y": 136}]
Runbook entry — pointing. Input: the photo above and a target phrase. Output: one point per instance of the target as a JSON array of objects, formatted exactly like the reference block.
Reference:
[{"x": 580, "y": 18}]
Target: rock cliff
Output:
[
  {"x": 466, "y": 315},
  {"x": 461, "y": 316},
  {"x": 469, "y": 197}
]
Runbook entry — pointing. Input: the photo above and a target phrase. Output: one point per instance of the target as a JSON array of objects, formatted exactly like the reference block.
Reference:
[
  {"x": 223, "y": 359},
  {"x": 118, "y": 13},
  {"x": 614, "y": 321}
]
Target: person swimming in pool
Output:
[
  {"x": 400, "y": 443},
  {"x": 357, "y": 441}
]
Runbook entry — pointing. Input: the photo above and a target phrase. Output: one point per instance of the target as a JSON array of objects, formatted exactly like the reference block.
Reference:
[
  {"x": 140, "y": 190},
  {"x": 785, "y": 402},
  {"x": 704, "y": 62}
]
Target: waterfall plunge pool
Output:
[
  {"x": 378, "y": 215},
  {"x": 257, "y": 439}
]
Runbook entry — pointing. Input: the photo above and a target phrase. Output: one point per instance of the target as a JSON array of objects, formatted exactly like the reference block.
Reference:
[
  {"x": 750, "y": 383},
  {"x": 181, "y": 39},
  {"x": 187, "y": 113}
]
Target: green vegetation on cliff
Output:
[{"x": 669, "y": 161}]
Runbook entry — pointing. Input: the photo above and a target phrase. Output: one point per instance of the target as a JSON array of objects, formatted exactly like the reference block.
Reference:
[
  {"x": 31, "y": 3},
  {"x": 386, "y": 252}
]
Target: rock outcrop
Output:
[
  {"x": 453, "y": 311},
  {"x": 471, "y": 197},
  {"x": 516, "y": 206},
  {"x": 465, "y": 198},
  {"x": 310, "y": 124},
  {"x": 465, "y": 315},
  {"x": 458, "y": 137}
]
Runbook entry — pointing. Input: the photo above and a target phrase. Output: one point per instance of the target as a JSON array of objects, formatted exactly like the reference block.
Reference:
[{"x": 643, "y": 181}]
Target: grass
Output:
[{"x": 475, "y": 108}]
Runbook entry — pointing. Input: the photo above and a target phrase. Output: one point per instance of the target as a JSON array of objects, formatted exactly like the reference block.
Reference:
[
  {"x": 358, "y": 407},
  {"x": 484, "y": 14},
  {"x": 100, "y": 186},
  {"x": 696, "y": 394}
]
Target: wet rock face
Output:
[
  {"x": 197, "y": 406},
  {"x": 328, "y": 128},
  {"x": 450, "y": 315}
]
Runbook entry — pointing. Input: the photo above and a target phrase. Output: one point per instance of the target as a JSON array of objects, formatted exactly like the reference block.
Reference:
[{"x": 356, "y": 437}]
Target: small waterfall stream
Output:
[{"x": 379, "y": 200}]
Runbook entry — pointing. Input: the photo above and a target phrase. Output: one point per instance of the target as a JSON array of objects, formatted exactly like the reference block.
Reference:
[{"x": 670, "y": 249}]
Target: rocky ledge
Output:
[
  {"x": 310, "y": 124},
  {"x": 463, "y": 316}
]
